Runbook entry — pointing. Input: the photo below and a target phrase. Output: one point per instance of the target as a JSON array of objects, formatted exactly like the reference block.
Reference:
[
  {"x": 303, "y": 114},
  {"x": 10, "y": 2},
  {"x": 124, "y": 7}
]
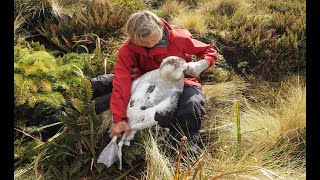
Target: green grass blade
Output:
[{"x": 236, "y": 104}]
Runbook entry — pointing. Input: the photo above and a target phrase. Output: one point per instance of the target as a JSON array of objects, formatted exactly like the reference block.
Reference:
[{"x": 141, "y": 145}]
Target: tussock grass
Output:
[
  {"x": 219, "y": 106},
  {"x": 259, "y": 161},
  {"x": 19, "y": 32},
  {"x": 221, "y": 7},
  {"x": 173, "y": 8},
  {"x": 265, "y": 151},
  {"x": 292, "y": 105},
  {"x": 159, "y": 166},
  {"x": 193, "y": 21},
  {"x": 224, "y": 91},
  {"x": 271, "y": 137},
  {"x": 24, "y": 173},
  {"x": 286, "y": 117},
  {"x": 227, "y": 7},
  {"x": 18, "y": 22}
]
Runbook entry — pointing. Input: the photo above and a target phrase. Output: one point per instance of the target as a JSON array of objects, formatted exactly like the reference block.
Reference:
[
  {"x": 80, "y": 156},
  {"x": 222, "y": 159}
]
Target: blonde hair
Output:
[{"x": 142, "y": 24}]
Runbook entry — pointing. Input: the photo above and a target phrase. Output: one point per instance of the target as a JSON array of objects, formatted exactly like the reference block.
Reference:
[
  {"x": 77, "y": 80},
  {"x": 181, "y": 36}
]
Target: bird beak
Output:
[{"x": 185, "y": 66}]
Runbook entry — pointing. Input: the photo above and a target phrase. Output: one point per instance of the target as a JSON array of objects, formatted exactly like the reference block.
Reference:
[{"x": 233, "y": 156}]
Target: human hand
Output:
[
  {"x": 118, "y": 128},
  {"x": 195, "y": 68}
]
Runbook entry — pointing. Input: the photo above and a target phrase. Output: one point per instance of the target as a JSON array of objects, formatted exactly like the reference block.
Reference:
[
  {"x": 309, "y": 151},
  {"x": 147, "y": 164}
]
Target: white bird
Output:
[{"x": 154, "y": 92}]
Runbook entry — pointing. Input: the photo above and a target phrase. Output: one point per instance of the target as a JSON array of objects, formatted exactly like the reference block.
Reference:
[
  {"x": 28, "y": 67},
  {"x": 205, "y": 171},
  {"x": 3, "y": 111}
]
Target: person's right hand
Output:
[{"x": 118, "y": 128}]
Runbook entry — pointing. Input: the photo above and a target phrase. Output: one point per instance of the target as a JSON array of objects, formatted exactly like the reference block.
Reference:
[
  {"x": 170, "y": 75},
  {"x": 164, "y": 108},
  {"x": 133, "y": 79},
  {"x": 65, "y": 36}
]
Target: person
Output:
[{"x": 151, "y": 39}]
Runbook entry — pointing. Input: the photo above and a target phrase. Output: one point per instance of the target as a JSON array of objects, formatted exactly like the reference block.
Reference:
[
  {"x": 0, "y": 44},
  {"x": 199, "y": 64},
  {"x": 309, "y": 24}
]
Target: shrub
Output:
[
  {"x": 268, "y": 42},
  {"x": 86, "y": 24}
]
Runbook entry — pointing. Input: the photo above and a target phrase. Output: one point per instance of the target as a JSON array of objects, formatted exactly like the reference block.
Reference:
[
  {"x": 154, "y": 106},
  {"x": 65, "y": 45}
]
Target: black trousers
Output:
[{"x": 185, "y": 119}]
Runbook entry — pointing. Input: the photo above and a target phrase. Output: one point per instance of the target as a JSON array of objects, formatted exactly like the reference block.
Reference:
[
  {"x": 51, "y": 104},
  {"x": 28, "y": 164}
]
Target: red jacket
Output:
[{"x": 134, "y": 60}]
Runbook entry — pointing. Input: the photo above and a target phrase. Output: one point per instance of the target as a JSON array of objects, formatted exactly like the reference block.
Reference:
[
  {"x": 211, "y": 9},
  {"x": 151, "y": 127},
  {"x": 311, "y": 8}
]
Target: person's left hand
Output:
[{"x": 195, "y": 68}]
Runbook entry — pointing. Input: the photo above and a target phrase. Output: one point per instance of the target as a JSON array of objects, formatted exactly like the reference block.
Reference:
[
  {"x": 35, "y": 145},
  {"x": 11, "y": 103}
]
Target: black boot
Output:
[
  {"x": 101, "y": 85},
  {"x": 102, "y": 103}
]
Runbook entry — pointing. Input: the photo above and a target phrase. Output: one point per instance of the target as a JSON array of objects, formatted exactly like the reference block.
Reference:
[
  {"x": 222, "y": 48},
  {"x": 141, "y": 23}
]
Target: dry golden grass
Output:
[
  {"x": 171, "y": 8},
  {"x": 225, "y": 91},
  {"x": 219, "y": 102},
  {"x": 20, "y": 33},
  {"x": 219, "y": 12},
  {"x": 292, "y": 105},
  {"x": 193, "y": 21},
  {"x": 259, "y": 161},
  {"x": 266, "y": 150},
  {"x": 284, "y": 118},
  {"x": 159, "y": 166},
  {"x": 18, "y": 21}
]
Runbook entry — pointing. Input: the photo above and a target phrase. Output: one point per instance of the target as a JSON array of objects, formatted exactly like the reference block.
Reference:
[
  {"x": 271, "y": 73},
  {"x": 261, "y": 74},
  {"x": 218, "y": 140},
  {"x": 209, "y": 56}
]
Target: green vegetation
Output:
[{"x": 60, "y": 45}]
